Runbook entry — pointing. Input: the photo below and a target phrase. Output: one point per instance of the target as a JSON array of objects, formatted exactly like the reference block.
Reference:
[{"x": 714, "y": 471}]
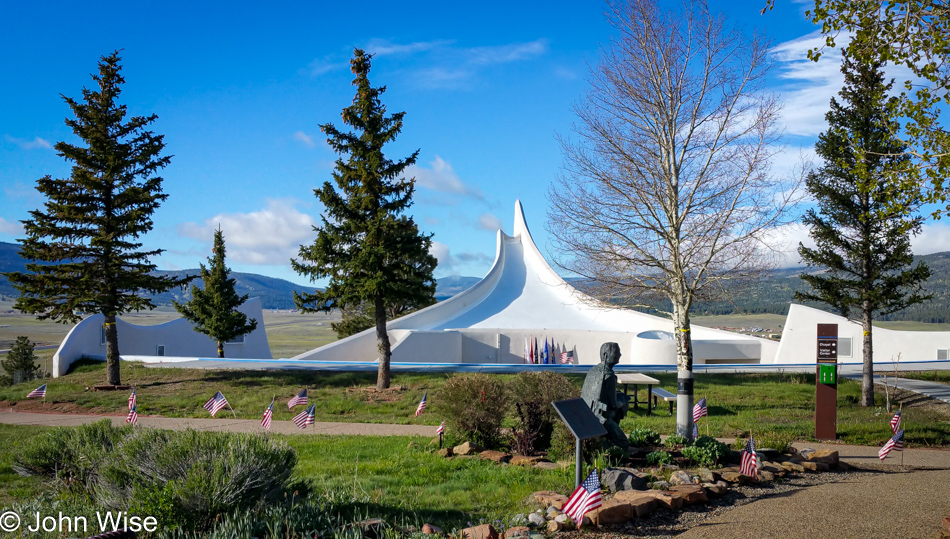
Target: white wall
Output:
[{"x": 178, "y": 337}]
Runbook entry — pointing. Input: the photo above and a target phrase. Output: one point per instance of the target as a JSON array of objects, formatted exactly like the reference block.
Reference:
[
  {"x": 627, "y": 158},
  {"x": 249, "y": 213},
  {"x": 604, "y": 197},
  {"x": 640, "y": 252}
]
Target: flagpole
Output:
[
  {"x": 232, "y": 410},
  {"x": 707, "y": 416}
]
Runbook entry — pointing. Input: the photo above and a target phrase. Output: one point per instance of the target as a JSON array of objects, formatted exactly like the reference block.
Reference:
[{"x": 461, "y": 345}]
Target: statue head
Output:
[{"x": 610, "y": 353}]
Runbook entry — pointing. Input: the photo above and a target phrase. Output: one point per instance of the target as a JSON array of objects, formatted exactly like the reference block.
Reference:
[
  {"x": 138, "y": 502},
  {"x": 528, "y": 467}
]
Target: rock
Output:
[
  {"x": 555, "y": 526},
  {"x": 660, "y": 485},
  {"x": 680, "y": 478},
  {"x": 943, "y": 534},
  {"x": 765, "y": 475},
  {"x": 793, "y": 467},
  {"x": 521, "y": 460},
  {"x": 670, "y": 467},
  {"x": 795, "y": 459},
  {"x": 495, "y": 456},
  {"x": 485, "y": 531},
  {"x": 537, "y": 521},
  {"x": 768, "y": 452},
  {"x": 826, "y": 456},
  {"x": 617, "y": 479},
  {"x": 667, "y": 499},
  {"x": 613, "y": 511},
  {"x": 429, "y": 529},
  {"x": 551, "y": 512},
  {"x": 843, "y": 466},
  {"x": 544, "y": 465},
  {"x": 735, "y": 477},
  {"x": 706, "y": 475},
  {"x": 803, "y": 453},
  {"x": 714, "y": 490},
  {"x": 517, "y": 531},
  {"x": 642, "y": 503},
  {"x": 549, "y": 498},
  {"x": 519, "y": 520},
  {"x": 445, "y": 452},
  {"x": 562, "y": 518},
  {"x": 946, "y": 523},
  {"x": 815, "y": 466},
  {"x": 692, "y": 494},
  {"x": 468, "y": 448}
]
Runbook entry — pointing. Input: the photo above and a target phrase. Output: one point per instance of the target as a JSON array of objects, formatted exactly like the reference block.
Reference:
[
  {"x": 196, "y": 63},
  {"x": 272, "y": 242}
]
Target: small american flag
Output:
[
  {"x": 441, "y": 428},
  {"x": 750, "y": 464},
  {"x": 896, "y": 443},
  {"x": 896, "y": 422},
  {"x": 301, "y": 398},
  {"x": 39, "y": 392},
  {"x": 133, "y": 417},
  {"x": 132, "y": 399},
  {"x": 566, "y": 357},
  {"x": 585, "y": 498},
  {"x": 268, "y": 415},
  {"x": 306, "y": 417},
  {"x": 216, "y": 403},
  {"x": 700, "y": 409},
  {"x": 695, "y": 431},
  {"x": 422, "y": 404}
]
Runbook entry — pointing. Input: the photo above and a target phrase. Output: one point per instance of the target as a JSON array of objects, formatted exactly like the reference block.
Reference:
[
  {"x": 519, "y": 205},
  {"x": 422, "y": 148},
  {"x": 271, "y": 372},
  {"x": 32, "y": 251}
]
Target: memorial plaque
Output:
[
  {"x": 579, "y": 419},
  {"x": 827, "y": 343}
]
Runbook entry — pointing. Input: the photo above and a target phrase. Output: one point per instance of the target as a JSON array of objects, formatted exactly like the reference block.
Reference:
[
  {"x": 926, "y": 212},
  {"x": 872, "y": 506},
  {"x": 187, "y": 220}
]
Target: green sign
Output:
[{"x": 827, "y": 374}]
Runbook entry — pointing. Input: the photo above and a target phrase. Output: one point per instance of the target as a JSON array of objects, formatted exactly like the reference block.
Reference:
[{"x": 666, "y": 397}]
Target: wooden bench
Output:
[{"x": 659, "y": 393}]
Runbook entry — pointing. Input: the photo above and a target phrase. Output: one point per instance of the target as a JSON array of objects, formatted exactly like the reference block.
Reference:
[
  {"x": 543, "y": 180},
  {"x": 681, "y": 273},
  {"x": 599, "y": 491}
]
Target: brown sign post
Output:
[{"x": 826, "y": 383}]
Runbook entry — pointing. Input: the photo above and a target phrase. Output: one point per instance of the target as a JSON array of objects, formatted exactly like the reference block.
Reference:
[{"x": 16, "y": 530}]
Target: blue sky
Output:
[{"x": 240, "y": 90}]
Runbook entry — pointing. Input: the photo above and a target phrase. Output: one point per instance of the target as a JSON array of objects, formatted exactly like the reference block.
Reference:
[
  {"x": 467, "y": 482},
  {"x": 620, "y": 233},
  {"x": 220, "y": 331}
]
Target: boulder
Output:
[
  {"x": 562, "y": 518},
  {"x": 804, "y": 452},
  {"x": 692, "y": 494},
  {"x": 549, "y": 498},
  {"x": 660, "y": 485},
  {"x": 735, "y": 477},
  {"x": 555, "y": 526},
  {"x": 468, "y": 448},
  {"x": 706, "y": 475},
  {"x": 667, "y": 499},
  {"x": 642, "y": 503},
  {"x": 946, "y": 523},
  {"x": 843, "y": 466},
  {"x": 537, "y": 521},
  {"x": 485, "y": 531},
  {"x": 680, "y": 478},
  {"x": 617, "y": 479},
  {"x": 826, "y": 456},
  {"x": 551, "y": 512},
  {"x": 445, "y": 452},
  {"x": 943, "y": 534},
  {"x": 815, "y": 466},
  {"x": 714, "y": 490},
  {"x": 613, "y": 511},
  {"x": 521, "y": 460},
  {"x": 793, "y": 467},
  {"x": 517, "y": 531},
  {"x": 429, "y": 529},
  {"x": 544, "y": 465},
  {"x": 495, "y": 456}
]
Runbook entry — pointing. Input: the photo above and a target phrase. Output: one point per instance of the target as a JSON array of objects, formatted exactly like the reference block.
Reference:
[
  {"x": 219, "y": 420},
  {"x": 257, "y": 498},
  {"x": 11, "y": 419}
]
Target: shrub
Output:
[
  {"x": 475, "y": 405},
  {"x": 20, "y": 363},
  {"x": 532, "y": 394},
  {"x": 699, "y": 455},
  {"x": 706, "y": 451},
  {"x": 73, "y": 456},
  {"x": 563, "y": 444},
  {"x": 642, "y": 437},
  {"x": 675, "y": 439},
  {"x": 659, "y": 457}
]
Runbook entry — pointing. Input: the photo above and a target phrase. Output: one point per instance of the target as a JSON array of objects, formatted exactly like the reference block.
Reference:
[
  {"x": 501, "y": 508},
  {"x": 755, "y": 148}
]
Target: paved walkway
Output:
[{"x": 937, "y": 391}]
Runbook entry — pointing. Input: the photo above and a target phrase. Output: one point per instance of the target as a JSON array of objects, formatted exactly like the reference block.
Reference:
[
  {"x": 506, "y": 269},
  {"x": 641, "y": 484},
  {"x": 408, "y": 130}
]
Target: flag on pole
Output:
[
  {"x": 695, "y": 431},
  {"x": 441, "y": 428},
  {"x": 268, "y": 416},
  {"x": 567, "y": 357},
  {"x": 216, "y": 403},
  {"x": 750, "y": 464},
  {"x": 132, "y": 399},
  {"x": 585, "y": 498},
  {"x": 39, "y": 392},
  {"x": 530, "y": 352},
  {"x": 700, "y": 409},
  {"x": 306, "y": 417},
  {"x": 133, "y": 417},
  {"x": 546, "y": 354},
  {"x": 526, "y": 360},
  {"x": 422, "y": 404},
  {"x": 537, "y": 354},
  {"x": 896, "y": 422},
  {"x": 301, "y": 398},
  {"x": 896, "y": 443}
]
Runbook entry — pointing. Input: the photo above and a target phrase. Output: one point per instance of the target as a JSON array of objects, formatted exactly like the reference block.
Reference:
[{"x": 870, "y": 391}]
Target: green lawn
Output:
[{"x": 941, "y": 377}]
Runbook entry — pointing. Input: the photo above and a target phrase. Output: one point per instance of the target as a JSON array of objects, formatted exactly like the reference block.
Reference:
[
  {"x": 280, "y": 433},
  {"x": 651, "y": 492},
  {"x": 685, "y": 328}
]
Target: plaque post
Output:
[{"x": 826, "y": 383}]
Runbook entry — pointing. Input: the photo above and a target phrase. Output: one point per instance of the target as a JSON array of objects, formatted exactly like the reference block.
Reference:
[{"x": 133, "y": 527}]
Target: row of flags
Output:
[{"x": 545, "y": 354}]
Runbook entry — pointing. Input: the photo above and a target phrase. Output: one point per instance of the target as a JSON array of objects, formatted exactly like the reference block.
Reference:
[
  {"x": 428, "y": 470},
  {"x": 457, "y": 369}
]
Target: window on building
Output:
[
  {"x": 160, "y": 350},
  {"x": 942, "y": 354},
  {"x": 844, "y": 346},
  {"x": 237, "y": 340}
]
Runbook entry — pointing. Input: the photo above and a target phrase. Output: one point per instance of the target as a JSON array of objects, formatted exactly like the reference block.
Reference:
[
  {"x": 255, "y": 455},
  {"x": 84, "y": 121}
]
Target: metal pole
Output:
[{"x": 578, "y": 463}]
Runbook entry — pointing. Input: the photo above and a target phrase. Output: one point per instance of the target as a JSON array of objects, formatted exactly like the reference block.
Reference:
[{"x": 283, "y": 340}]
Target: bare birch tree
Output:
[{"x": 667, "y": 190}]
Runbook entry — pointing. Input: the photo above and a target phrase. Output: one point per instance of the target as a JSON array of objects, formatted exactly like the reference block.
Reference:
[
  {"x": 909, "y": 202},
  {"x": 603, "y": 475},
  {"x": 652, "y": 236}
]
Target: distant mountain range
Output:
[{"x": 770, "y": 295}]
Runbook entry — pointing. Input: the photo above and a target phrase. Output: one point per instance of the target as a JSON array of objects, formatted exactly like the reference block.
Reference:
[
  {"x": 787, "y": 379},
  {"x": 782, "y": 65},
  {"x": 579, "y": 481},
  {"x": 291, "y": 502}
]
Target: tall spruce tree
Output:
[
  {"x": 369, "y": 249},
  {"x": 864, "y": 223},
  {"x": 83, "y": 247},
  {"x": 20, "y": 359},
  {"x": 213, "y": 310}
]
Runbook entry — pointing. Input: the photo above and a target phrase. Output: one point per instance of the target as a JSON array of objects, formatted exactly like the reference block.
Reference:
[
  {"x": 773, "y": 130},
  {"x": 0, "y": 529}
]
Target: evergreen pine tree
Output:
[
  {"x": 20, "y": 358},
  {"x": 213, "y": 310},
  {"x": 864, "y": 223},
  {"x": 83, "y": 247},
  {"x": 369, "y": 249}
]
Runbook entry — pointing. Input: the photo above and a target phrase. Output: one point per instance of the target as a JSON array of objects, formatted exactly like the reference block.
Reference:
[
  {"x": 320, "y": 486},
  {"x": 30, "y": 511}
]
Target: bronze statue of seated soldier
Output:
[{"x": 600, "y": 393}]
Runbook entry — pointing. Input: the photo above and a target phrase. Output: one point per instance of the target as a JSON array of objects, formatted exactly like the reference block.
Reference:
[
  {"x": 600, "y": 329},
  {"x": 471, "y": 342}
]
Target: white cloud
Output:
[
  {"x": 565, "y": 73},
  {"x": 441, "y": 177},
  {"x": 383, "y": 47},
  {"x": 449, "y": 263},
  {"x": 784, "y": 241},
  {"x": 489, "y": 222},
  {"x": 14, "y": 228},
  {"x": 811, "y": 85},
  {"x": 319, "y": 66},
  {"x": 304, "y": 138},
  {"x": 36, "y": 143},
  {"x": 934, "y": 237},
  {"x": 503, "y": 54},
  {"x": 271, "y": 236}
]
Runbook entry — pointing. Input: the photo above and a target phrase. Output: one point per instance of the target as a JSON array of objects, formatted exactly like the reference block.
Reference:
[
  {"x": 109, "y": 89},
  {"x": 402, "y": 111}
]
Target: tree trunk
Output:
[
  {"x": 684, "y": 372},
  {"x": 385, "y": 352},
  {"x": 221, "y": 349},
  {"x": 112, "y": 351},
  {"x": 867, "y": 375}
]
